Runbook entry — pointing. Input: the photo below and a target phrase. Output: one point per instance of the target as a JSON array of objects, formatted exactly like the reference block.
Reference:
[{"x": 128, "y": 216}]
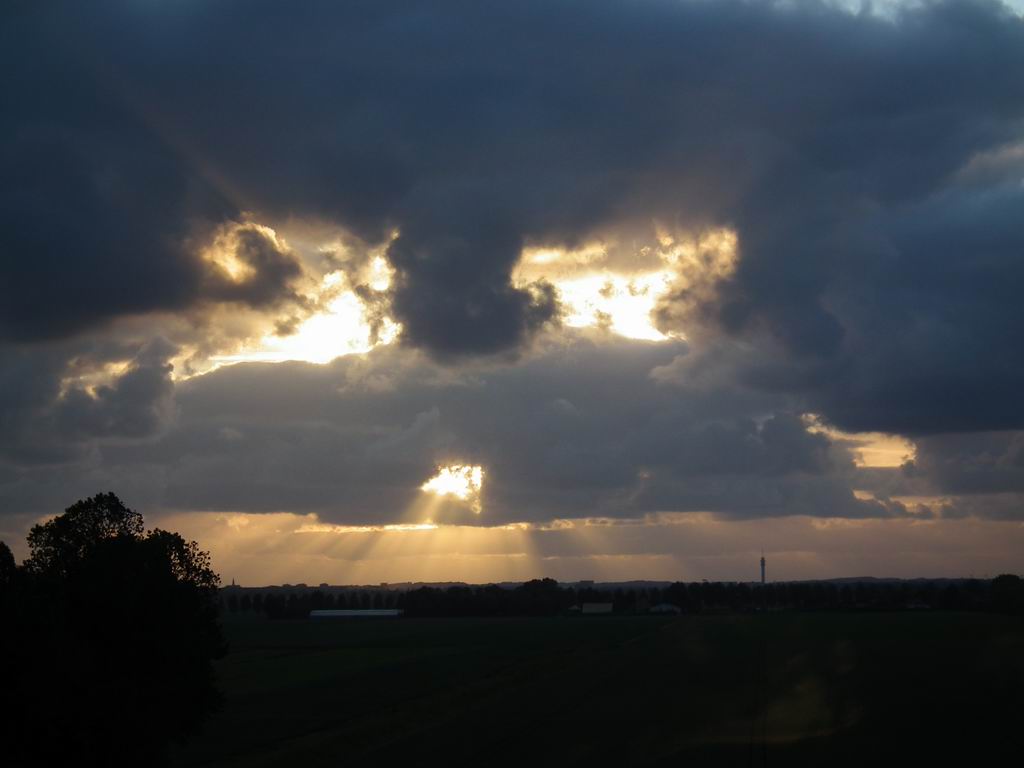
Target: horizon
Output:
[
  {"x": 587, "y": 583},
  {"x": 245, "y": 558}
]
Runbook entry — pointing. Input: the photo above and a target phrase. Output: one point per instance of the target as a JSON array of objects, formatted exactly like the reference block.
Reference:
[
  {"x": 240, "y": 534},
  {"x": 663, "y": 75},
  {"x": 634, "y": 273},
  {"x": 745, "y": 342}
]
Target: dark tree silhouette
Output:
[
  {"x": 58, "y": 546},
  {"x": 8, "y": 568},
  {"x": 1008, "y": 593},
  {"x": 113, "y": 637}
]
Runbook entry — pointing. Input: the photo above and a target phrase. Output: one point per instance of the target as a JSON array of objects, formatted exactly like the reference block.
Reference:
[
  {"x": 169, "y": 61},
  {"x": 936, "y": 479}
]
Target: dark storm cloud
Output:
[
  {"x": 96, "y": 206},
  {"x": 928, "y": 298},
  {"x": 29, "y": 386},
  {"x": 103, "y": 211},
  {"x": 51, "y": 415},
  {"x": 138, "y": 403},
  {"x": 979, "y": 463},
  {"x": 473, "y": 127},
  {"x": 938, "y": 319},
  {"x": 871, "y": 168}
]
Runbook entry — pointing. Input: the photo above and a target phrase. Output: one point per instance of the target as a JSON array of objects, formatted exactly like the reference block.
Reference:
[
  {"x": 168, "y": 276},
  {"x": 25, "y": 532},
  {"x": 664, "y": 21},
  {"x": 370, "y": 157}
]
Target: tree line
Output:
[{"x": 546, "y": 597}]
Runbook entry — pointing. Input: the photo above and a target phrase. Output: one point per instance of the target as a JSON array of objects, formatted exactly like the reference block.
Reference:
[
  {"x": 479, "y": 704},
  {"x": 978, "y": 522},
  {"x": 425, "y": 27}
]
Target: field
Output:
[{"x": 785, "y": 689}]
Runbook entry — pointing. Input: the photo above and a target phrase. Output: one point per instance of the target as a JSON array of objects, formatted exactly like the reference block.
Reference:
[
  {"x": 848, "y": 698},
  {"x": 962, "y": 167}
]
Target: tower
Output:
[{"x": 762, "y": 567}]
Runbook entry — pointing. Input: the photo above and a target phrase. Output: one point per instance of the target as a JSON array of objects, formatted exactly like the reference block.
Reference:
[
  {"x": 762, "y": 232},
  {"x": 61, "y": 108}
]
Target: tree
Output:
[
  {"x": 1008, "y": 593},
  {"x": 113, "y": 641},
  {"x": 60, "y": 545},
  {"x": 8, "y": 568}
]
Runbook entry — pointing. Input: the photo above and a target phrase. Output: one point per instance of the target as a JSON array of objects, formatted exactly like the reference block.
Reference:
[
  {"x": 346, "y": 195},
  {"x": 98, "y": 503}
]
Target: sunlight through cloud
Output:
[
  {"x": 342, "y": 329},
  {"x": 344, "y": 322},
  {"x": 623, "y": 304},
  {"x": 460, "y": 481},
  {"x": 868, "y": 449},
  {"x": 619, "y": 289}
]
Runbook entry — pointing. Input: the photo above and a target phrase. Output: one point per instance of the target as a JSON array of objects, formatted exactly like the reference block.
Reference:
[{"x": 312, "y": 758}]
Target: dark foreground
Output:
[{"x": 784, "y": 689}]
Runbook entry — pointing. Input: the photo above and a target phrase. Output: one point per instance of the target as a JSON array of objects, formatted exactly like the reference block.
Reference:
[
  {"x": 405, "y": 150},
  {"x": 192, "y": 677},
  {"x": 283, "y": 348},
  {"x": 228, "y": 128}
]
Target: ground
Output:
[{"x": 786, "y": 689}]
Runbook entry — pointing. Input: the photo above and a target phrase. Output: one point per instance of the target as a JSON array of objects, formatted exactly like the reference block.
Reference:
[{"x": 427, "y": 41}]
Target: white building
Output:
[{"x": 375, "y": 613}]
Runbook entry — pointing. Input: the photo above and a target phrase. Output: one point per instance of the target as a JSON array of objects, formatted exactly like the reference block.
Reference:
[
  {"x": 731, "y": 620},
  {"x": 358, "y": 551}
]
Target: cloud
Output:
[
  {"x": 978, "y": 463},
  {"x": 578, "y": 428},
  {"x": 56, "y": 402},
  {"x": 248, "y": 264},
  {"x": 473, "y": 128},
  {"x": 138, "y": 403},
  {"x": 868, "y": 165}
]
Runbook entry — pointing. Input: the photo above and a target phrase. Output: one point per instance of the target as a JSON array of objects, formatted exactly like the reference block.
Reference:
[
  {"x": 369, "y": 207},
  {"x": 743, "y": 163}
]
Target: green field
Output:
[{"x": 785, "y": 689}]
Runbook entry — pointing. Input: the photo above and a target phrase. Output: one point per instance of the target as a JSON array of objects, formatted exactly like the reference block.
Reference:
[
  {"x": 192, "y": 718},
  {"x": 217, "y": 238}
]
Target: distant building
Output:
[
  {"x": 596, "y": 608},
  {"x": 762, "y": 568},
  {"x": 369, "y": 613}
]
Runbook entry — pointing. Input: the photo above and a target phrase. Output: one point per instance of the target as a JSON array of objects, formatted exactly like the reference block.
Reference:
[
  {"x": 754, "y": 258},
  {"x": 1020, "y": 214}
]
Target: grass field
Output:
[{"x": 785, "y": 689}]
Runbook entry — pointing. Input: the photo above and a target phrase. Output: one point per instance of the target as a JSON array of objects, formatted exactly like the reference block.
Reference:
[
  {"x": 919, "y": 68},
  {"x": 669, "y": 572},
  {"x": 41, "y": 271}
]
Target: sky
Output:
[{"x": 483, "y": 291}]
